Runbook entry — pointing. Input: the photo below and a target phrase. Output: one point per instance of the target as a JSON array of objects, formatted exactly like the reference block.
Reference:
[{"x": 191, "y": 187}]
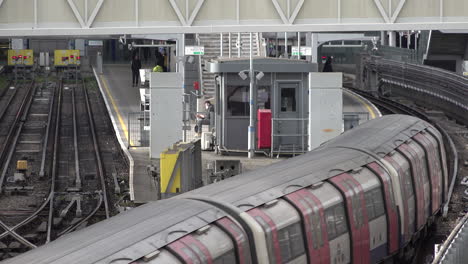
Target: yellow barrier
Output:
[
  {"x": 20, "y": 57},
  {"x": 64, "y": 58},
  {"x": 170, "y": 171}
]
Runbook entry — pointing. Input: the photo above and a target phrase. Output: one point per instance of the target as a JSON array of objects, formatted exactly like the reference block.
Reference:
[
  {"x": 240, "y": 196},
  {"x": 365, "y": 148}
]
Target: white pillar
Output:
[
  {"x": 325, "y": 107},
  {"x": 286, "y": 45},
  {"x": 251, "y": 130},
  {"x": 392, "y": 38},
  {"x": 299, "y": 45},
  {"x": 314, "y": 45},
  {"x": 383, "y": 38}
]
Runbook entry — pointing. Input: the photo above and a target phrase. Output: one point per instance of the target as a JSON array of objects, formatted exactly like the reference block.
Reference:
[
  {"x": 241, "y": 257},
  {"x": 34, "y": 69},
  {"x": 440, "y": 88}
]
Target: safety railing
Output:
[
  {"x": 138, "y": 129},
  {"x": 289, "y": 136},
  {"x": 354, "y": 119}
]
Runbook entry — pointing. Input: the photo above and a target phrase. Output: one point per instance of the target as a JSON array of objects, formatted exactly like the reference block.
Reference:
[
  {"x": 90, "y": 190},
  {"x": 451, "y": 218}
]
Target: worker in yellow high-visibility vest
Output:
[{"x": 158, "y": 68}]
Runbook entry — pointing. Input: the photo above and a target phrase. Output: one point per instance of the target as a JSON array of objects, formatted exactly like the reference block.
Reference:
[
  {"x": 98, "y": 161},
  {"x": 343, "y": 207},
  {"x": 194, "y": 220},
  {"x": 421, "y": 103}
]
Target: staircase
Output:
[{"x": 212, "y": 44}]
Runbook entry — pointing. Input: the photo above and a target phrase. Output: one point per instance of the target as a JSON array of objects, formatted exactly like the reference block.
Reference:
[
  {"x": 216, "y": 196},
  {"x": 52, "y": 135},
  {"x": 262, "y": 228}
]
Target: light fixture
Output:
[
  {"x": 190, "y": 59},
  {"x": 260, "y": 76},
  {"x": 243, "y": 75}
]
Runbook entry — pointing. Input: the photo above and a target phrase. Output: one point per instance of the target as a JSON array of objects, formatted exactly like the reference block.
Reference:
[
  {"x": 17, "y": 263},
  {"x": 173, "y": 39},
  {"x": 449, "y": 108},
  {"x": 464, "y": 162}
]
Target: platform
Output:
[{"x": 121, "y": 99}]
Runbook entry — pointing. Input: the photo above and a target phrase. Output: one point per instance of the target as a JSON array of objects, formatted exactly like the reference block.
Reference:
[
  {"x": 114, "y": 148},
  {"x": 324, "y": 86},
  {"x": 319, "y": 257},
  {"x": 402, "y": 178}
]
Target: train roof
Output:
[
  {"x": 353, "y": 149},
  {"x": 140, "y": 231},
  {"x": 127, "y": 236}
]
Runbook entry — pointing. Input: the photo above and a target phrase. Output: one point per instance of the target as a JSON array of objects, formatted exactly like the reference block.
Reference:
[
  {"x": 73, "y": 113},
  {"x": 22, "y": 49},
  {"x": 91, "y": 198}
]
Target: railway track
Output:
[
  {"x": 78, "y": 185},
  {"x": 64, "y": 185}
]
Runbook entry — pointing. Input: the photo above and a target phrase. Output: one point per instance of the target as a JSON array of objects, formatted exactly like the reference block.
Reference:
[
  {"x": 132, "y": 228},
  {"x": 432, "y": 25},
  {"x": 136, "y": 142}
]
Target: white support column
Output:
[
  {"x": 251, "y": 131},
  {"x": 314, "y": 46},
  {"x": 392, "y": 38},
  {"x": 239, "y": 45},
  {"x": 299, "y": 45},
  {"x": 441, "y": 4},
  {"x": 286, "y": 45},
  {"x": 86, "y": 11},
  {"x": 137, "y": 15},
  {"x": 325, "y": 107},
  {"x": 230, "y": 44},
  {"x": 383, "y": 38},
  {"x": 408, "y": 43},
  {"x": 221, "y": 44},
  {"x": 339, "y": 11},
  {"x": 238, "y": 11},
  {"x": 35, "y": 13}
]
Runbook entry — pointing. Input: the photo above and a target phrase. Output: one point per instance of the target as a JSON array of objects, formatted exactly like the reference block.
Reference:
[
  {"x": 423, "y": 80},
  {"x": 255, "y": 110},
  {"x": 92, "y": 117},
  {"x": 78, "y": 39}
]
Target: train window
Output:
[
  {"x": 378, "y": 203},
  {"x": 336, "y": 221},
  {"x": 316, "y": 225},
  {"x": 340, "y": 220},
  {"x": 374, "y": 203},
  {"x": 330, "y": 218},
  {"x": 355, "y": 203},
  {"x": 291, "y": 242},
  {"x": 369, "y": 205},
  {"x": 227, "y": 258}
]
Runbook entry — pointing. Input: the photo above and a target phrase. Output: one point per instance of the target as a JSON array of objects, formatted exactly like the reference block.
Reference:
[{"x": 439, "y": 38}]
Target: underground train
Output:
[{"x": 363, "y": 197}]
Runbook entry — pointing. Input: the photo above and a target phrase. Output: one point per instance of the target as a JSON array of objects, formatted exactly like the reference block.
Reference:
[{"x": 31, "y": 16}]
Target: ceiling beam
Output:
[
  {"x": 384, "y": 14},
  {"x": 397, "y": 11},
  {"x": 94, "y": 13},
  {"x": 280, "y": 11},
  {"x": 195, "y": 12},
  {"x": 76, "y": 13},
  {"x": 176, "y": 8},
  {"x": 296, "y": 11}
]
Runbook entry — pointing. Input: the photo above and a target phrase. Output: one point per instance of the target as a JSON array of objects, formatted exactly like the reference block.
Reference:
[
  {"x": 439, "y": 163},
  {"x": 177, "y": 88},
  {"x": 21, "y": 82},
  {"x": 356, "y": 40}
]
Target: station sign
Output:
[
  {"x": 194, "y": 50},
  {"x": 95, "y": 43},
  {"x": 305, "y": 51}
]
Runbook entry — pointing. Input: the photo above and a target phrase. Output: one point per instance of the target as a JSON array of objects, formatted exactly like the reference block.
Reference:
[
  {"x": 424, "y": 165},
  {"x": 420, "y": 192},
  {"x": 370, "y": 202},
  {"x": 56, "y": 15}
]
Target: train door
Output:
[
  {"x": 357, "y": 216},
  {"x": 313, "y": 217},
  {"x": 287, "y": 126}
]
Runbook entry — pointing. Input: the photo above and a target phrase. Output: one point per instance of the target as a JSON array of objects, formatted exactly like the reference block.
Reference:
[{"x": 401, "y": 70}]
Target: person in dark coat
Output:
[
  {"x": 159, "y": 58},
  {"x": 328, "y": 65},
  {"x": 136, "y": 66}
]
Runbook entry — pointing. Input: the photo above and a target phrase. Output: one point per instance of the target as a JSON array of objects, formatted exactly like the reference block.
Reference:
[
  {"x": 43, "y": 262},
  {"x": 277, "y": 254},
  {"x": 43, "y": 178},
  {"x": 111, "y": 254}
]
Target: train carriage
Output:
[{"x": 359, "y": 198}]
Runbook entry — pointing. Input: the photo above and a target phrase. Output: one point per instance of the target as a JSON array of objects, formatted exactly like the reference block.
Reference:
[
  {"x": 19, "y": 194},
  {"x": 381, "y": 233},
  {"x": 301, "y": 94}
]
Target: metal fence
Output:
[
  {"x": 289, "y": 136},
  {"x": 138, "y": 129},
  {"x": 354, "y": 119}
]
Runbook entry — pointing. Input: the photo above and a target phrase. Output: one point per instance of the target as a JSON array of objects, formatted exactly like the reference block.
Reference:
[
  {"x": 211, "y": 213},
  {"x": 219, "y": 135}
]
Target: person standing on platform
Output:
[
  {"x": 159, "y": 59},
  {"x": 328, "y": 65},
  {"x": 136, "y": 66},
  {"x": 204, "y": 119}
]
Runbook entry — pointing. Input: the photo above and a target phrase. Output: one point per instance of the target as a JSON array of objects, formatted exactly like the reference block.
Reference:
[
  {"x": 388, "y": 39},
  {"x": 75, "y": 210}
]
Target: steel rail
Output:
[
  {"x": 54, "y": 163},
  {"x": 17, "y": 236},
  {"x": 73, "y": 227},
  {"x": 2, "y": 114},
  {"x": 97, "y": 151},
  {"x": 75, "y": 142},
  {"x": 47, "y": 134},
  {"x": 19, "y": 116},
  {"x": 29, "y": 218}
]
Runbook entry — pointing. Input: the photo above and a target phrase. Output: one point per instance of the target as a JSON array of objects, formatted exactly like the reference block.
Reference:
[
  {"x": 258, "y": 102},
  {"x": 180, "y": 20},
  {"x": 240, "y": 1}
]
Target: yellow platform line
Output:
[
  {"x": 368, "y": 107},
  {"x": 116, "y": 109}
]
